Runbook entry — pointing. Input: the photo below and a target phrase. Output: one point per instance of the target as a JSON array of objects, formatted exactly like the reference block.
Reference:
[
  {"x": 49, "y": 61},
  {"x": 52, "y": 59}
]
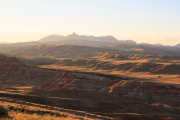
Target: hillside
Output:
[
  {"x": 117, "y": 62},
  {"x": 97, "y": 77},
  {"x": 95, "y": 94},
  {"x": 111, "y": 94},
  {"x": 13, "y": 72}
]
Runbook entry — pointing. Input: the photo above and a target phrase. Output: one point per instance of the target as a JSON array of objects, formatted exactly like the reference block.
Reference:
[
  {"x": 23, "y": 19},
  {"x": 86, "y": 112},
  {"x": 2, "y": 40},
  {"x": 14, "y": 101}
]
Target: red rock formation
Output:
[{"x": 60, "y": 81}]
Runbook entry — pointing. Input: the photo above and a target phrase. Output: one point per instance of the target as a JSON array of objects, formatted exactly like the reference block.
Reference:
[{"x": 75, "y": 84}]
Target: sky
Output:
[{"x": 150, "y": 21}]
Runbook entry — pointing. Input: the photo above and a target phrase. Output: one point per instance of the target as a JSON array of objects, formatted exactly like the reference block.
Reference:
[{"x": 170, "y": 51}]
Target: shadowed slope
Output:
[{"x": 12, "y": 71}]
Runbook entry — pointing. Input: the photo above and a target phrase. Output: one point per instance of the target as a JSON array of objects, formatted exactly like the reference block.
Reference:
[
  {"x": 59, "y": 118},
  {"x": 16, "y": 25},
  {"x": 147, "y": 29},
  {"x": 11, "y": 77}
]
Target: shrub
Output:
[{"x": 3, "y": 112}]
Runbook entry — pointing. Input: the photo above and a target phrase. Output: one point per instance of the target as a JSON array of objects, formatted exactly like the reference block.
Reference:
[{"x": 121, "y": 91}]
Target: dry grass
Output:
[
  {"x": 24, "y": 116},
  {"x": 23, "y": 110},
  {"x": 19, "y": 115},
  {"x": 162, "y": 78}
]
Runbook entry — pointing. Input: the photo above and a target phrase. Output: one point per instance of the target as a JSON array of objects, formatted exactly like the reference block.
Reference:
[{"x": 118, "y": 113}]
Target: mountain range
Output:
[{"x": 76, "y": 44}]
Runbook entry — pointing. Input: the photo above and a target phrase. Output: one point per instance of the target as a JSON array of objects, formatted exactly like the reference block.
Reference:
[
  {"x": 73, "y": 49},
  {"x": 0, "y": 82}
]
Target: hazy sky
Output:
[{"x": 153, "y": 21}]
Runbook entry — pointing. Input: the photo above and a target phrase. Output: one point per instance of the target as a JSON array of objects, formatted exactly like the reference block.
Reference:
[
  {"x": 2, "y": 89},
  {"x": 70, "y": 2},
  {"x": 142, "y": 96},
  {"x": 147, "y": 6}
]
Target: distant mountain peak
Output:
[
  {"x": 85, "y": 40},
  {"x": 73, "y": 35}
]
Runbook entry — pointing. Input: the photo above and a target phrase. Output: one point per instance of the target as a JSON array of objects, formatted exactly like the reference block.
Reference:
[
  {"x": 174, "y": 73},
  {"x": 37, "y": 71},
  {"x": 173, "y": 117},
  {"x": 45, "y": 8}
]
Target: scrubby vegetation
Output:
[{"x": 3, "y": 112}]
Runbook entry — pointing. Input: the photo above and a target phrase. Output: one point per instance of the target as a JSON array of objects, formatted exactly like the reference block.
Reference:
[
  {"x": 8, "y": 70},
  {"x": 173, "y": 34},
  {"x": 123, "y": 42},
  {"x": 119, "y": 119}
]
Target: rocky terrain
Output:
[{"x": 114, "y": 80}]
